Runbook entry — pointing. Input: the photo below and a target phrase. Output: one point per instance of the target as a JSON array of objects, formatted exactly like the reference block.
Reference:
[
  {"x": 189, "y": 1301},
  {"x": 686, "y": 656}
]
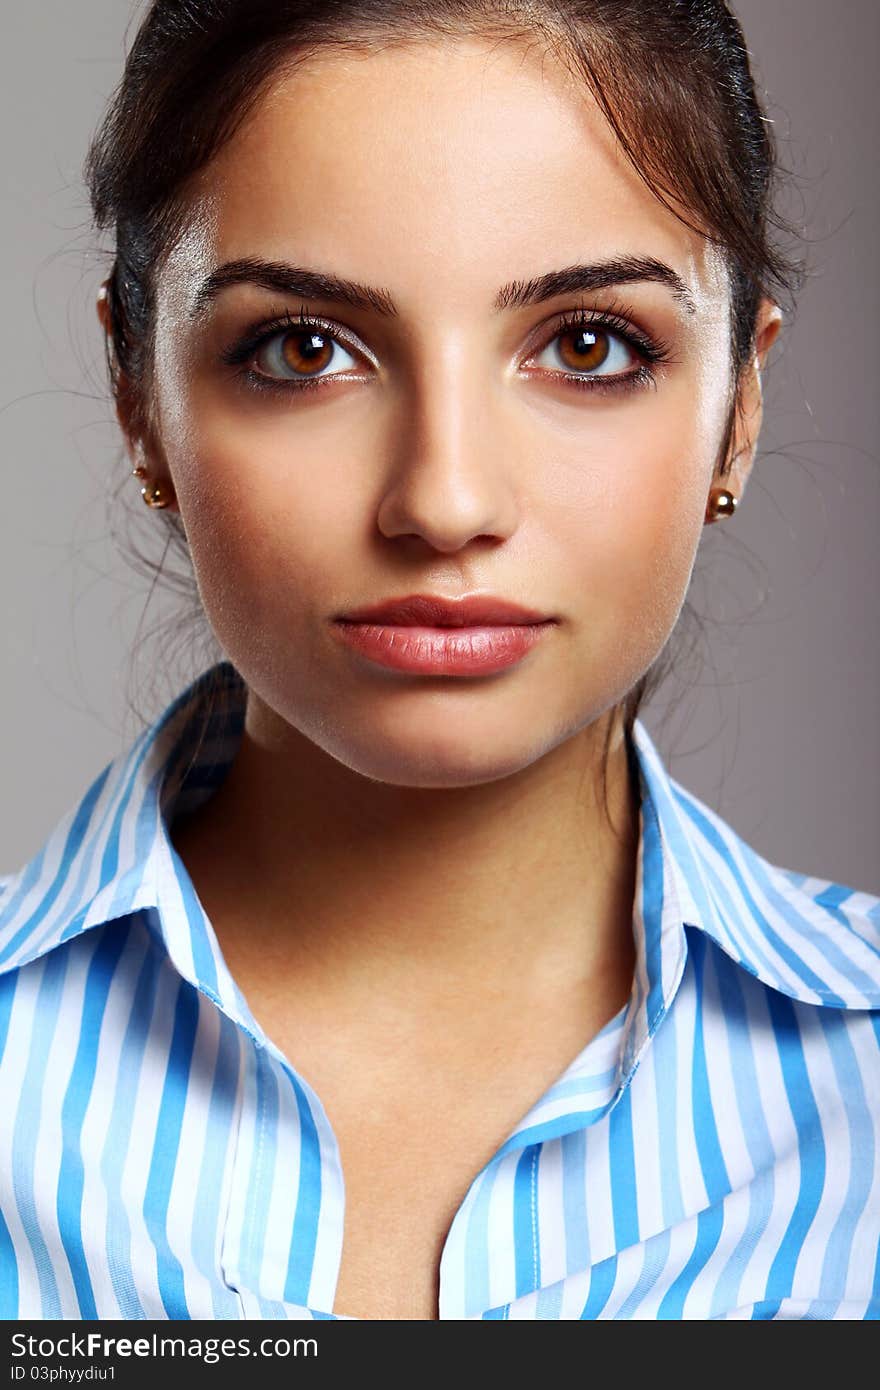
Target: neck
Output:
[{"x": 520, "y": 884}]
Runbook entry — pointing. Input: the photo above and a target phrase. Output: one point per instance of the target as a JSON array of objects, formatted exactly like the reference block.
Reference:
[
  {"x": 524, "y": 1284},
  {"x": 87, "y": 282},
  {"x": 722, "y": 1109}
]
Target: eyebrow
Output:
[{"x": 304, "y": 283}]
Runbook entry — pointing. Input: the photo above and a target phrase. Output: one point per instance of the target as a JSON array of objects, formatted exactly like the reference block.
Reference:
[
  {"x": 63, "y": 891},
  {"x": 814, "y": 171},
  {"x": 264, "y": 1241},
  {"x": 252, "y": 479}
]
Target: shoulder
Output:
[
  {"x": 808, "y": 936},
  {"x": 814, "y": 938},
  {"x": 81, "y": 863},
  {"x": 107, "y": 854}
]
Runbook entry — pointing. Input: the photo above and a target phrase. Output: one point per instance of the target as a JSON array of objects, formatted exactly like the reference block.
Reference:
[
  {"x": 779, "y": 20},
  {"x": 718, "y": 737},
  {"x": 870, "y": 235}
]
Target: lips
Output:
[{"x": 433, "y": 610}]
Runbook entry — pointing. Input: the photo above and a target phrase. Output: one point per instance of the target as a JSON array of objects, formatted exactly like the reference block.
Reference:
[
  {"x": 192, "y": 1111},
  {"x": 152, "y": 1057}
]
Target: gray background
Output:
[{"x": 774, "y": 722}]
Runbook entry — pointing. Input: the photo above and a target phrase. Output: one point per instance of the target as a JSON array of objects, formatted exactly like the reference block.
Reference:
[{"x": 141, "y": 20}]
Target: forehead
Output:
[{"x": 427, "y": 164}]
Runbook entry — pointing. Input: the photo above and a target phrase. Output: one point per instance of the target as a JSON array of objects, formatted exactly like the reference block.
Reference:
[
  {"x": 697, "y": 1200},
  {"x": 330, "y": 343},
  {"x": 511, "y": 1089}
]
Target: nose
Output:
[{"x": 449, "y": 477}]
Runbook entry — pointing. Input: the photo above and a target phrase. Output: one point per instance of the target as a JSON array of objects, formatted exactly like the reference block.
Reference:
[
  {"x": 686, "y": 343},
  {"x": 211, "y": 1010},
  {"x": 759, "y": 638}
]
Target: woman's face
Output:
[{"x": 444, "y": 451}]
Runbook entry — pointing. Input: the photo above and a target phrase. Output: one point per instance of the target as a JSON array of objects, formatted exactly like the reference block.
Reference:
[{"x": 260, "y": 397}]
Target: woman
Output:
[{"x": 389, "y": 974}]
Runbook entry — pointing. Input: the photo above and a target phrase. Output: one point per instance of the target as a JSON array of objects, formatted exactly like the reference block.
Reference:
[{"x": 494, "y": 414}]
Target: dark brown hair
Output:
[{"x": 672, "y": 77}]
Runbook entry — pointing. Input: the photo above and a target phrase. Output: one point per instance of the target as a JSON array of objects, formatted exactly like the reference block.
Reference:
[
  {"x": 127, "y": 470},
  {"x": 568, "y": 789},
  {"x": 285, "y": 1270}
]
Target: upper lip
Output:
[{"x": 433, "y": 610}]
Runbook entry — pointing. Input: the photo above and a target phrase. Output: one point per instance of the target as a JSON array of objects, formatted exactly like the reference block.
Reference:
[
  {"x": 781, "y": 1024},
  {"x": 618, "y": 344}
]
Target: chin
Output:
[{"x": 435, "y": 760}]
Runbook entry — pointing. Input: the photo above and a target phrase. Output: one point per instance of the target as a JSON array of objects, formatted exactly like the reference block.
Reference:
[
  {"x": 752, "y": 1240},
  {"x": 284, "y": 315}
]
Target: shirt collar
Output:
[{"x": 112, "y": 855}]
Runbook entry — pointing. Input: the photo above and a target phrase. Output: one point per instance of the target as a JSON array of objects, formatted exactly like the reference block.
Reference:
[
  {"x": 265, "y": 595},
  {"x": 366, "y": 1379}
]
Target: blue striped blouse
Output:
[{"x": 714, "y": 1152}]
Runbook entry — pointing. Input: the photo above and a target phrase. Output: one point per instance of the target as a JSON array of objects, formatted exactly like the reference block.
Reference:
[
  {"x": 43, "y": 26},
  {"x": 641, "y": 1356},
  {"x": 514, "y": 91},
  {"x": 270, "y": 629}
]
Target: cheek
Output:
[
  {"x": 655, "y": 561},
  {"x": 632, "y": 525},
  {"x": 263, "y": 535}
]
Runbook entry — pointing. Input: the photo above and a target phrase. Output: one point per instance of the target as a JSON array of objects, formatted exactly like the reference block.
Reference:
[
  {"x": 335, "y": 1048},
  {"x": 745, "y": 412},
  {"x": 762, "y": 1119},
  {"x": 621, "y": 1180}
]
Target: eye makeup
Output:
[{"x": 614, "y": 323}]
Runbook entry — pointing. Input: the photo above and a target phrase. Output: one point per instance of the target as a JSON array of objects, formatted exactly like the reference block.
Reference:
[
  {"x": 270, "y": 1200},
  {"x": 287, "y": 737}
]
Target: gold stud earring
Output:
[
  {"x": 154, "y": 494},
  {"x": 722, "y": 503}
]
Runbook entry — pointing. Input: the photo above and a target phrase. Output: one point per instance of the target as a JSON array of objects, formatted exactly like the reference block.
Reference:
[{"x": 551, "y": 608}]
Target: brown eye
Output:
[
  {"x": 588, "y": 349},
  {"x": 307, "y": 352},
  {"x": 304, "y": 352},
  {"x": 583, "y": 349}
]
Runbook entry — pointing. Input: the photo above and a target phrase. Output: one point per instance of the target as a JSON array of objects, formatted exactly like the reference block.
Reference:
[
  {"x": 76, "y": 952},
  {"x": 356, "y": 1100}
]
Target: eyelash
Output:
[{"x": 616, "y": 320}]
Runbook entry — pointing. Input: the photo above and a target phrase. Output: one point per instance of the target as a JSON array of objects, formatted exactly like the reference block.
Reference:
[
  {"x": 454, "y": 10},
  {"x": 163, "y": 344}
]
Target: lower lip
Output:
[{"x": 442, "y": 651}]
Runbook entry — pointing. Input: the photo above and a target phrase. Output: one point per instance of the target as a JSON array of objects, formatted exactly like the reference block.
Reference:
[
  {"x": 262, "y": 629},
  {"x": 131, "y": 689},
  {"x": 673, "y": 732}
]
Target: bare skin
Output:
[{"x": 416, "y": 874}]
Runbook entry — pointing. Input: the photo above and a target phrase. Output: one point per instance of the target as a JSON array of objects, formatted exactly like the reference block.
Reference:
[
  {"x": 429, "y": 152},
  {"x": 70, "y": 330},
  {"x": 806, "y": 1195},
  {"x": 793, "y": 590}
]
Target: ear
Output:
[
  {"x": 144, "y": 452},
  {"x": 750, "y": 414}
]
